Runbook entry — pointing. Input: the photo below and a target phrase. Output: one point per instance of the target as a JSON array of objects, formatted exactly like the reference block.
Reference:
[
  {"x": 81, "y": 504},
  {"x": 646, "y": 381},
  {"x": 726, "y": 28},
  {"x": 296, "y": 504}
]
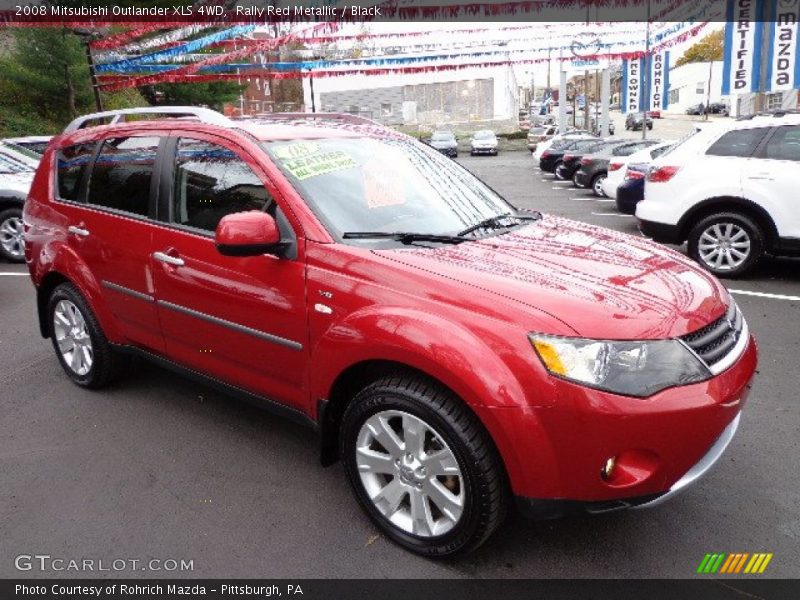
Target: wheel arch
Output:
[
  {"x": 730, "y": 204},
  {"x": 359, "y": 375},
  {"x": 11, "y": 199},
  {"x": 57, "y": 264}
]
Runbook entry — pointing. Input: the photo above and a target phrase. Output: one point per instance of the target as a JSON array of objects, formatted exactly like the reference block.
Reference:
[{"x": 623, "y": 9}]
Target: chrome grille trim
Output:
[{"x": 720, "y": 343}]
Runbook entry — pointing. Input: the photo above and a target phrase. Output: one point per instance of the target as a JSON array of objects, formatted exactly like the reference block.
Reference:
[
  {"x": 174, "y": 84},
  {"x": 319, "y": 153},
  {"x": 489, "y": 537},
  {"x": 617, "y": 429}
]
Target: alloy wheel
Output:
[
  {"x": 724, "y": 246},
  {"x": 410, "y": 473},
  {"x": 72, "y": 337},
  {"x": 11, "y": 237},
  {"x": 598, "y": 185}
]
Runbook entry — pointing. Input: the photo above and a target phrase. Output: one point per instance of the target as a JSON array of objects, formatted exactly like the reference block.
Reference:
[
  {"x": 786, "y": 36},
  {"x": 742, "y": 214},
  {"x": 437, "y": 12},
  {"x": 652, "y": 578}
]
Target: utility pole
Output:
[
  {"x": 708, "y": 92},
  {"x": 87, "y": 36},
  {"x": 311, "y": 85}
]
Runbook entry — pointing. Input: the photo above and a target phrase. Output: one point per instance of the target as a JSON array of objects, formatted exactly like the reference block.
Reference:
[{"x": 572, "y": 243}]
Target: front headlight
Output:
[{"x": 629, "y": 368}]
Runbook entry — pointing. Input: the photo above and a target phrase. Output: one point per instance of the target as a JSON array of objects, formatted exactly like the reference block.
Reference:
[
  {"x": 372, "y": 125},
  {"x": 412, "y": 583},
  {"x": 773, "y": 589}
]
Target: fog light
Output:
[{"x": 608, "y": 468}]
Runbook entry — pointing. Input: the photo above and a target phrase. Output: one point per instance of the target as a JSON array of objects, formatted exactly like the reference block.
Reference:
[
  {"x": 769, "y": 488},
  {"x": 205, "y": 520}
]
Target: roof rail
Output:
[
  {"x": 318, "y": 116},
  {"x": 206, "y": 115},
  {"x": 776, "y": 113}
]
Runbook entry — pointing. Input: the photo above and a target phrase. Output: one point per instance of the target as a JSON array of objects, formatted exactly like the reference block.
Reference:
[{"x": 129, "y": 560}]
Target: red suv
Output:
[{"x": 456, "y": 353}]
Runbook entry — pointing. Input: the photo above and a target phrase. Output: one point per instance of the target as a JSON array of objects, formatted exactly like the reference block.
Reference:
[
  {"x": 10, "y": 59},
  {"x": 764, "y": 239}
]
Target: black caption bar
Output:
[{"x": 390, "y": 589}]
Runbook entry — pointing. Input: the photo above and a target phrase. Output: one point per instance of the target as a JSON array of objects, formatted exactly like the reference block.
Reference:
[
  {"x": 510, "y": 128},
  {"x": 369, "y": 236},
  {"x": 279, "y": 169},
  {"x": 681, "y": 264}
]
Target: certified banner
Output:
[
  {"x": 784, "y": 51},
  {"x": 632, "y": 85},
  {"x": 658, "y": 80},
  {"x": 742, "y": 67}
]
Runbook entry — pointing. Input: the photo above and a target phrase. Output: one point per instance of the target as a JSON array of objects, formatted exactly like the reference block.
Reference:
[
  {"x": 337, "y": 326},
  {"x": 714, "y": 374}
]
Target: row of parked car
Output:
[
  {"x": 19, "y": 158},
  {"x": 482, "y": 142},
  {"x": 728, "y": 189}
]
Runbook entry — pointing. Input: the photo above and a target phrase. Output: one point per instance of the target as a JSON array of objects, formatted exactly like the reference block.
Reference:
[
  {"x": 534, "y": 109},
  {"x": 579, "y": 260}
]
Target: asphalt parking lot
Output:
[{"x": 160, "y": 467}]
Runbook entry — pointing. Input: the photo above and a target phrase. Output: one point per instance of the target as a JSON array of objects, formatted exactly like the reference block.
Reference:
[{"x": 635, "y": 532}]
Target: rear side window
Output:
[
  {"x": 71, "y": 165},
  {"x": 659, "y": 151},
  {"x": 122, "y": 174},
  {"x": 626, "y": 149},
  {"x": 741, "y": 142},
  {"x": 784, "y": 144},
  {"x": 212, "y": 181}
]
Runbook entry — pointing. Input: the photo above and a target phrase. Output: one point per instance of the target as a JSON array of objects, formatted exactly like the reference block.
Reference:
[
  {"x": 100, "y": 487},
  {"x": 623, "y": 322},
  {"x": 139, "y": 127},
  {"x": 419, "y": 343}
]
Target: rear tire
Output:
[
  {"x": 80, "y": 344},
  {"x": 728, "y": 244},
  {"x": 555, "y": 171},
  {"x": 435, "y": 507}
]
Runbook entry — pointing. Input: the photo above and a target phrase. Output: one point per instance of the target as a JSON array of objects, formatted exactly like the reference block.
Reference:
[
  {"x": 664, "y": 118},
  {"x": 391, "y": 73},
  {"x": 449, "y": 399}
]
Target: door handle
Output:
[
  {"x": 170, "y": 260},
  {"x": 78, "y": 230}
]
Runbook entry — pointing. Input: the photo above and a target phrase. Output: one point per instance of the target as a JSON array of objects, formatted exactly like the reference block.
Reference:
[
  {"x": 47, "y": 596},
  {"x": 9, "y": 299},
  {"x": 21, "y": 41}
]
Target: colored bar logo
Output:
[{"x": 734, "y": 563}]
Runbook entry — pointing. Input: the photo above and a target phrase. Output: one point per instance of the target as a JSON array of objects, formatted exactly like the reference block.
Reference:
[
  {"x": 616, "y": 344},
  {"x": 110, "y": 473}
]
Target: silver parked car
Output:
[{"x": 483, "y": 142}]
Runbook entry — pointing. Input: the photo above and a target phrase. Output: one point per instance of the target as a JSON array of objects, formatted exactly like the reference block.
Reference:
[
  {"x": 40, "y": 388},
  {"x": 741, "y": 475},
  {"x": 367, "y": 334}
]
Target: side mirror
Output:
[{"x": 248, "y": 234}]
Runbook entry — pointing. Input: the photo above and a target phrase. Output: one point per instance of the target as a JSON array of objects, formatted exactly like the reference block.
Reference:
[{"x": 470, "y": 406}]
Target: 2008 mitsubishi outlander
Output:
[{"x": 457, "y": 354}]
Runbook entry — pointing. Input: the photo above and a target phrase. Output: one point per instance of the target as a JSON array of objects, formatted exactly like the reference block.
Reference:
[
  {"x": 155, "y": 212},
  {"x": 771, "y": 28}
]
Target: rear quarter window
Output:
[
  {"x": 740, "y": 142},
  {"x": 71, "y": 164}
]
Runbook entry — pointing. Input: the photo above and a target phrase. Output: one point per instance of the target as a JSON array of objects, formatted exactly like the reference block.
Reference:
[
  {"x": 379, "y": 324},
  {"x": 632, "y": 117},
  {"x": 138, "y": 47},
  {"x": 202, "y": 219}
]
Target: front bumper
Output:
[
  {"x": 484, "y": 150},
  {"x": 554, "y": 450},
  {"x": 451, "y": 152},
  {"x": 533, "y": 508}
]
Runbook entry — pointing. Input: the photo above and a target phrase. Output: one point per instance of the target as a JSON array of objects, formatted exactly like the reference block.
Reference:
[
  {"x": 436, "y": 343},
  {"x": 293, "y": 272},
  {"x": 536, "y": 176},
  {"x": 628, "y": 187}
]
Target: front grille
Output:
[{"x": 714, "y": 342}]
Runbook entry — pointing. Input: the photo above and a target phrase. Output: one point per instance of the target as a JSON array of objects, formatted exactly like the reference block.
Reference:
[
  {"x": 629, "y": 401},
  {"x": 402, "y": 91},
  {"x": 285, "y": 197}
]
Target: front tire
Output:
[
  {"x": 556, "y": 173},
  {"x": 727, "y": 244},
  {"x": 12, "y": 246},
  {"x": 422, "y": 467},
  {"x": 80, "y": 344}
]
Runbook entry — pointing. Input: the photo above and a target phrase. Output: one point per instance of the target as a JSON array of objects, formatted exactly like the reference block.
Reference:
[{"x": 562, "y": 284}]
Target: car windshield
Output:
[
  {"x": 442, "y": 137},
  {"x": 385, "y": 185},
  {"x": 10, "y": 166},
  {"x": 484, "y": 135}
]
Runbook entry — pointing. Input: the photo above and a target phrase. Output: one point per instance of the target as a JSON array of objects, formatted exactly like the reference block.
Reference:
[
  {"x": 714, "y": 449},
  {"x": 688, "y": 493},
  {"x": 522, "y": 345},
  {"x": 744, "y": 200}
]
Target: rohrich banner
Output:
[
  {"x": 783, "y": 64},
  {"x": 632, "y": 92},
  {"x": 742, "y": 68},
  {"x": 658, "y": 80}
]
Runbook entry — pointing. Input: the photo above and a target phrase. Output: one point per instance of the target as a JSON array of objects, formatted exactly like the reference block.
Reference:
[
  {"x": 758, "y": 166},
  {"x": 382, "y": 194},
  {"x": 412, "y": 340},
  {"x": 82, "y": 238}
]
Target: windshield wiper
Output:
[
  {"x": 498, "y": 221},
  {"x": 404, "y": 237}
]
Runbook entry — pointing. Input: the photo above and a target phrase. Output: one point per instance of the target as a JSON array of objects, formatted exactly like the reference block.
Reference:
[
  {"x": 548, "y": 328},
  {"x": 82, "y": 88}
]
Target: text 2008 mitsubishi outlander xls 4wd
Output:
[{"x": 455, "y": 353}]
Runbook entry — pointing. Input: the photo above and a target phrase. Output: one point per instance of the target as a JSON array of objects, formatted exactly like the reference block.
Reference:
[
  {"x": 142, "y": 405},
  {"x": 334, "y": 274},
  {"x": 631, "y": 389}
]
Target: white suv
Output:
[{"x": 732, "y": 191}]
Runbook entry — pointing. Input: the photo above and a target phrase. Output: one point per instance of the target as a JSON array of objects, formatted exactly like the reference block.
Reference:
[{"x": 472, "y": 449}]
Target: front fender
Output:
[
  {"x": 472, "y": 362},
  {"x": 442, "y": 348}
]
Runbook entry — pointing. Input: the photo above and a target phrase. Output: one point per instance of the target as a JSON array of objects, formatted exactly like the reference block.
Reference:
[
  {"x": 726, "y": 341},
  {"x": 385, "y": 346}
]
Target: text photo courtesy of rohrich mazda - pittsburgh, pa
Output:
[{"x": 453, "y": 299}]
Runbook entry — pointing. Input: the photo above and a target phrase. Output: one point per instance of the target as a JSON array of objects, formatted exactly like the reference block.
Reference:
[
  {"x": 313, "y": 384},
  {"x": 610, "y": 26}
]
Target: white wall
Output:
[
  {"x": 506, "y": 100},
  {"x": 687, "y": 79}
]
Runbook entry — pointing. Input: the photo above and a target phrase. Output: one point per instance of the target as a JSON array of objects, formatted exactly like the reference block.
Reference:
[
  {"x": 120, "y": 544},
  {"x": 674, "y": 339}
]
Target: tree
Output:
[
  {"x": 213, "y": 94},
  {"x": 708, "y": 49},
  {"x": 44, "y": 83}
]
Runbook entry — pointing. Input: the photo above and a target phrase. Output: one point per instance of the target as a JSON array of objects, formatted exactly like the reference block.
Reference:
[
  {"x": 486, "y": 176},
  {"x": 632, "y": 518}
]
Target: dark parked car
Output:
[
  {"x": 445, "y": 142},
  {"x": 635, "y": 121},
  {"x": 593, "y": 168},
  {"x": 553, "y": 157},
  {"x": 571, "y": 161},
  {"x": 696, "y": 109},
  {"x": 631, "y": 190},
  {"x": 718, "y": 108}
]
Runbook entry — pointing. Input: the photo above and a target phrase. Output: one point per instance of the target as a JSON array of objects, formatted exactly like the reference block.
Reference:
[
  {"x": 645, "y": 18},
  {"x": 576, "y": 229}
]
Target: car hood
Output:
[
  {"x": 17, "y": 182},
  {"x": 602, "y": 284}
]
